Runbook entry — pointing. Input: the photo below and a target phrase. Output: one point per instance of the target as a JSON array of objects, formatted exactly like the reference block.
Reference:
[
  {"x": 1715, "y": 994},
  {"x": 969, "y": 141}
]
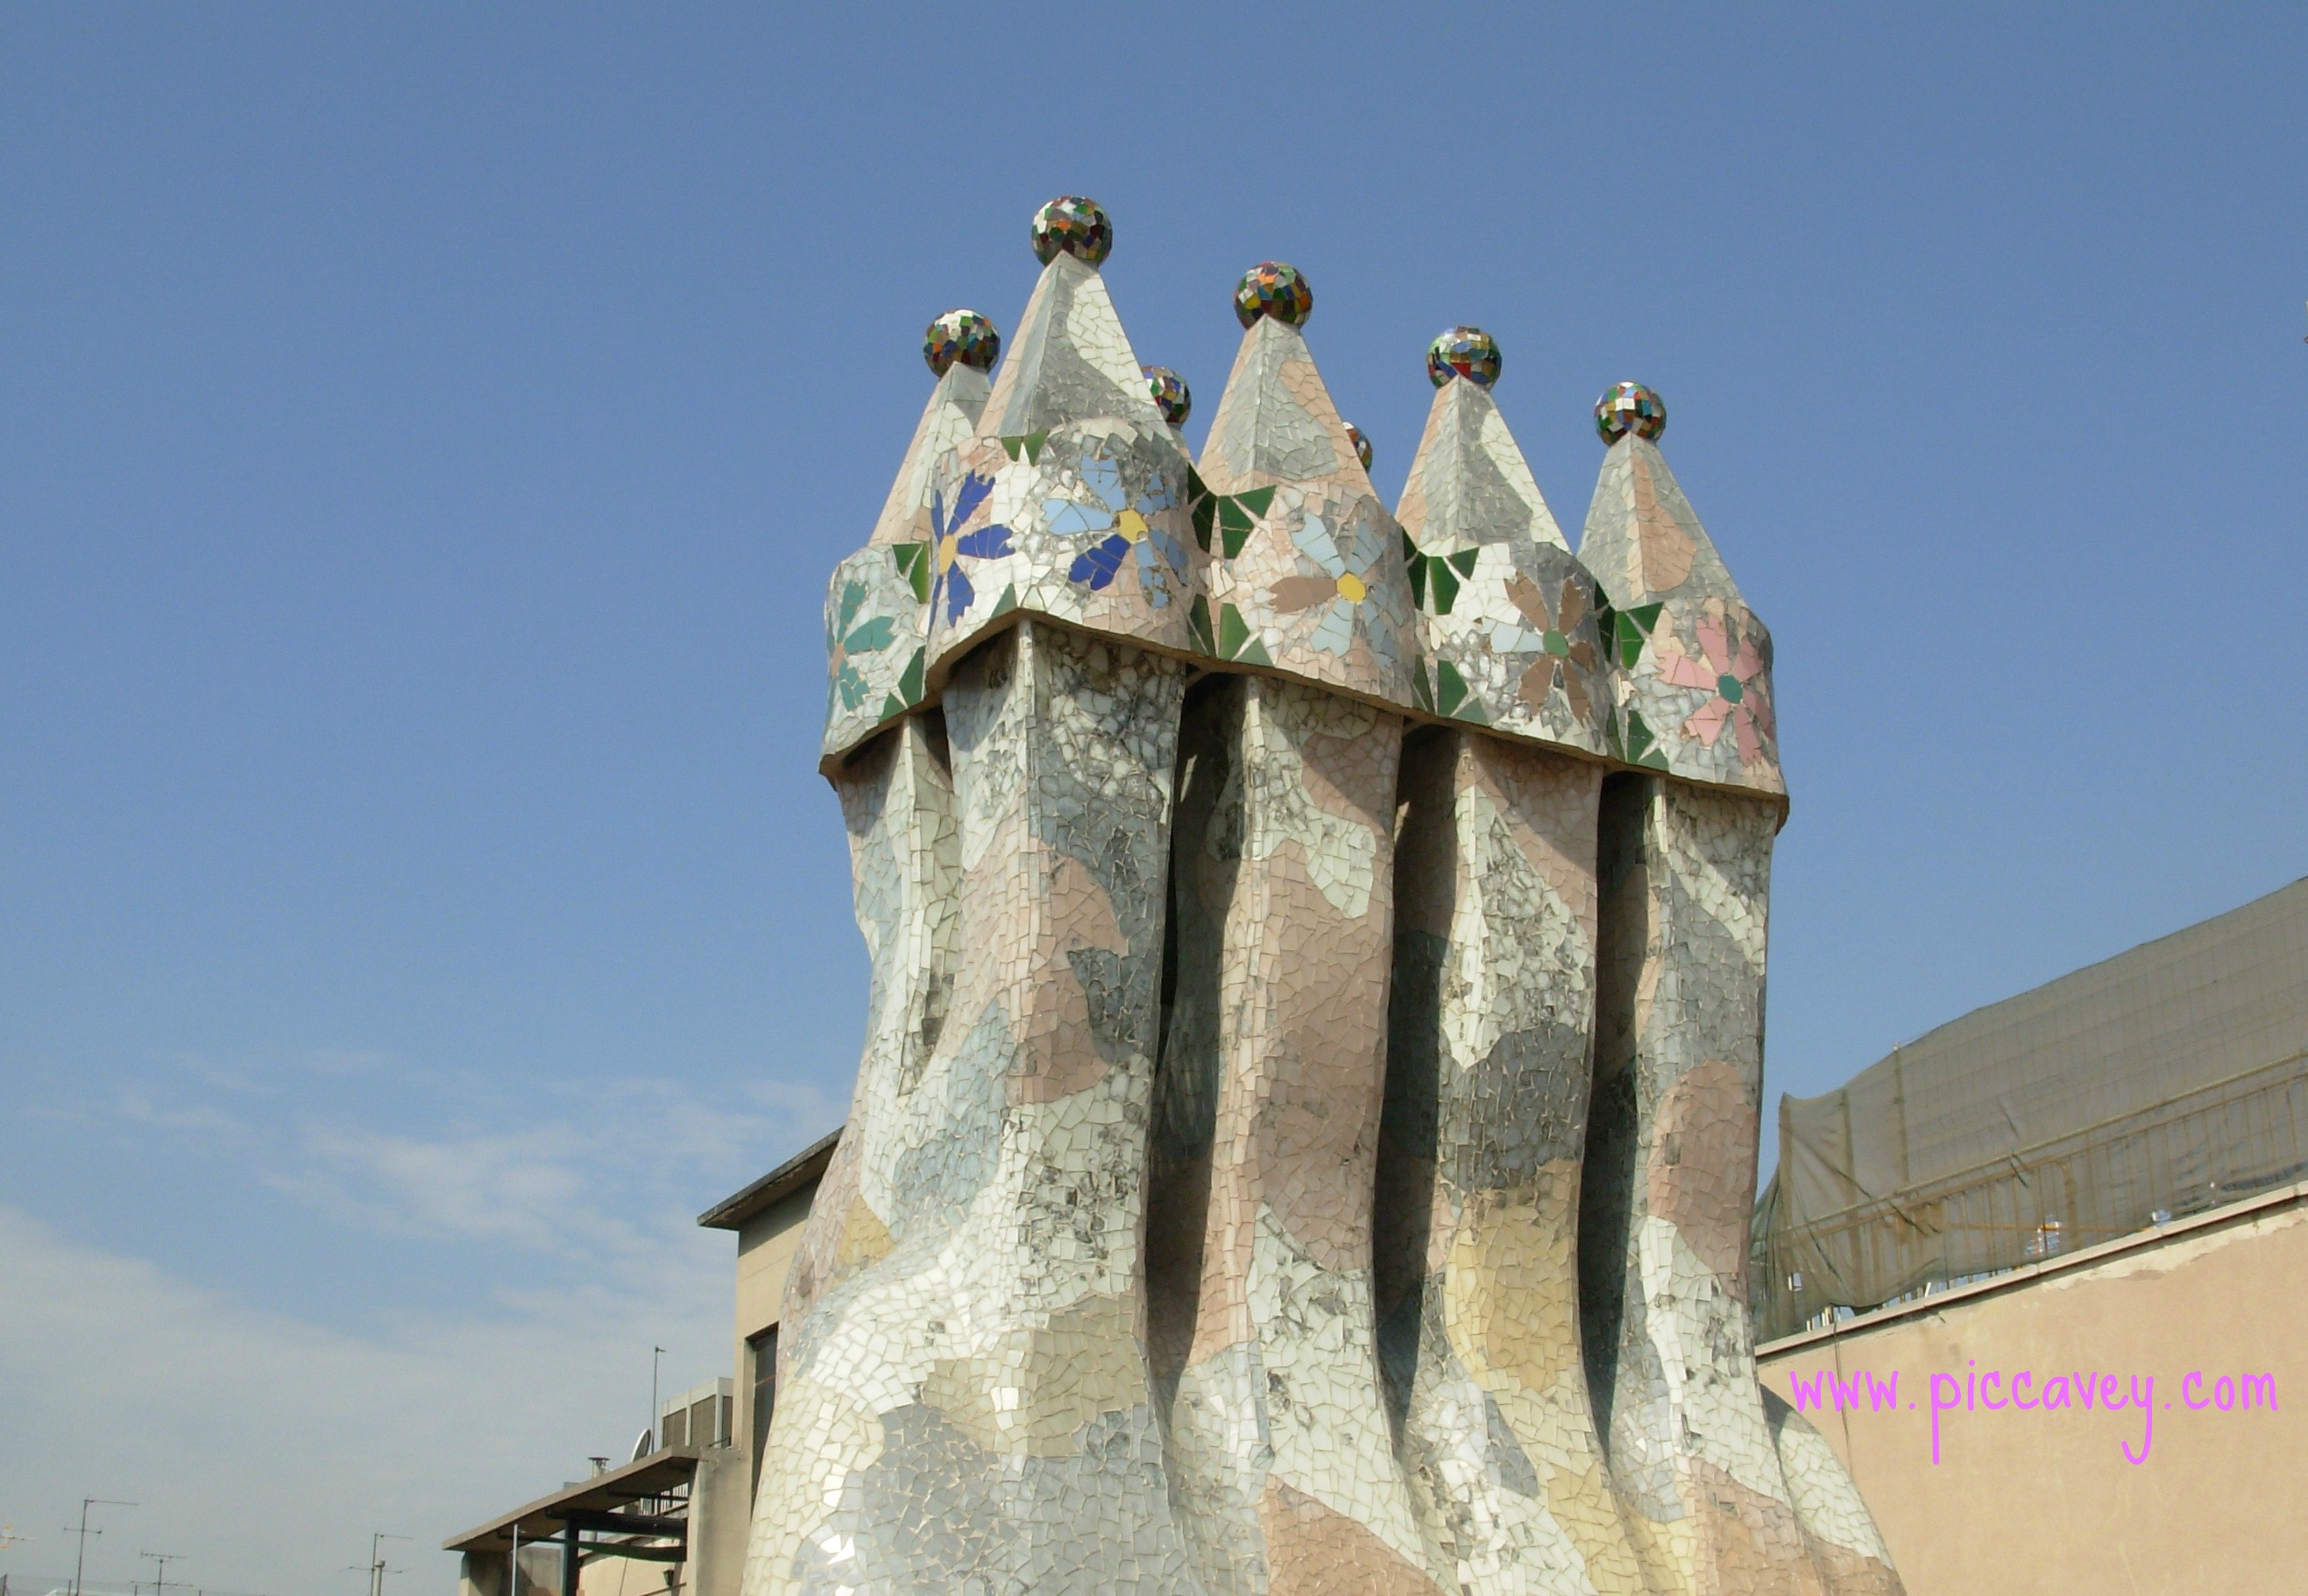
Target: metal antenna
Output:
[
  {"x": 377, "y": 1570},
  {"x": 656, "y": 1440},
  {"x": 160, "y": 1569},
  {"x": 80, "y": 1561}
]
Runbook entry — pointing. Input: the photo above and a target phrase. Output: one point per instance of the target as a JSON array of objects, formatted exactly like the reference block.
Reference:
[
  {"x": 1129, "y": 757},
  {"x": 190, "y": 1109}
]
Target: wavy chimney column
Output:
[
  {"x": 967, "y": 1406},
  {"x": 1279, "y": 1450},
  {"x": 1686, "y": 889},
  {"x": 1492, "y": 1023},
  {"x": 897, "y": 800}
]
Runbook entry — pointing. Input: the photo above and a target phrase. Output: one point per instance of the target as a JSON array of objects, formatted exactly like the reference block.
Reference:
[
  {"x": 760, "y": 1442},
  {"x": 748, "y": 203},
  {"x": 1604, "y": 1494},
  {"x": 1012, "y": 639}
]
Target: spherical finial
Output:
[
  {"x": 1171, "y": 395},
  {"x": 1466, "y": 352},
  {"x": 1361, "y": 443},
  {"x": 1079, "y": 227},
  {"x": 962, "y": 336},
  {"x": 1271, "y": 289},
  {"x": 1629, "y": 408}
]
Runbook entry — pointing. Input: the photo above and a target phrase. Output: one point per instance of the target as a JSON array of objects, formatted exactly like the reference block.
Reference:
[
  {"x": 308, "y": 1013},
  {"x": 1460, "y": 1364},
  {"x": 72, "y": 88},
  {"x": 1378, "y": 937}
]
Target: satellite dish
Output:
[{"x": 642, "y": 1447}]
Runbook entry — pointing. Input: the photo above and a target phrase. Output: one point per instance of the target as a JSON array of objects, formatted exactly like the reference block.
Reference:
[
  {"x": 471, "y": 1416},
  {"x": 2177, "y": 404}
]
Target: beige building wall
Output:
[
  {"x": 766, "y": 1244},
  {"x": 2025, "y": 1501}
]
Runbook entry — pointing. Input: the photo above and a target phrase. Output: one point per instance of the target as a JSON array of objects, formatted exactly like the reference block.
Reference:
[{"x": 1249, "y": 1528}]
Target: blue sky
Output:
[{"x": 424, "y": 439}]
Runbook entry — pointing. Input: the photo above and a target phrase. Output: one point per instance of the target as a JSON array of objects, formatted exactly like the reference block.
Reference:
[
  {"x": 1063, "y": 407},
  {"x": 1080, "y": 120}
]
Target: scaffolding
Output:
[{"x": 2167, "y": 1080}]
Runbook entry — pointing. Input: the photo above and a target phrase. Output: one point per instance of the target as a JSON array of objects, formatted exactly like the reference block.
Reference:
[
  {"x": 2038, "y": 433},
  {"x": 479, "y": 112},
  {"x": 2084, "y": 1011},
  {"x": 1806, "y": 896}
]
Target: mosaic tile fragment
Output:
[
  {"x": 1273, "y": 289},
  {"x": 1466, "y": 352},
  {"x": 1629, "y": 408},
  {"x": 1223, "y": 1206},
  {"x": 1073, "y": 226},
  {"x": 1269, "y": 1105},
  {"x": 1509, "y": 623},
  {"x": 1693, "y": 689},
  {"x": 1306, "y": 570},
  {"x": 963, "y": 337},
  {"x": 1489, "y": 1035},
  {"x": 965, "y": 1405}
]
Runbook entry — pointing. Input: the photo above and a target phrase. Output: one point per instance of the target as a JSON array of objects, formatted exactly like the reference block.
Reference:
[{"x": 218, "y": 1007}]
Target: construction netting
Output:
[{"x": 2167, "y": 1080}]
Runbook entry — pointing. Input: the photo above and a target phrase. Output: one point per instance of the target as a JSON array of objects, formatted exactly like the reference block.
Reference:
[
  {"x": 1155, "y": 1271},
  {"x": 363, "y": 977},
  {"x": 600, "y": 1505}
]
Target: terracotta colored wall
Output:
[{"x": 2046, "y": 1501}]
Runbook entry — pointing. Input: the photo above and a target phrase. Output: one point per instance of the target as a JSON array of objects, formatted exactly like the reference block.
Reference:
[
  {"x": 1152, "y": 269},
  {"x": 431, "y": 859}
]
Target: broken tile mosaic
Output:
[
  {"x": 1073, "y": 226},
  {"x": 1171, "y": 395},
  {"x": 1305, "y": 1130},
  {"x": 1271, "y": 289},
  {"x": 963, "y": 336},
  {"x": 1466, "y": 352},
  {"x": 1629, "y": 408}
]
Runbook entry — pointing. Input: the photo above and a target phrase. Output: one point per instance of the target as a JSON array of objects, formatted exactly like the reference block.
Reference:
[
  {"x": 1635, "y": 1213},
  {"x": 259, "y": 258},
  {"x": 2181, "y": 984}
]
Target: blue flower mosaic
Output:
[
  {"x": 1106, "y": 504},
  {"x": 951, "y": 587}
]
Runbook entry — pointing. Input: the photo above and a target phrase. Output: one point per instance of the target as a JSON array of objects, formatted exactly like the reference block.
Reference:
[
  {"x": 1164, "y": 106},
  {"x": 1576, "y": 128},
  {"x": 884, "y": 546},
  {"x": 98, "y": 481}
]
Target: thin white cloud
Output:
[{"x": 266, "y": 1448}]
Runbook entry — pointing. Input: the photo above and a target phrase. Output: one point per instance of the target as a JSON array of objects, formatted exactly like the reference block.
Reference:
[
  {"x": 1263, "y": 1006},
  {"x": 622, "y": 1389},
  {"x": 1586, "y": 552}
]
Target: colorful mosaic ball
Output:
[
  {"x": 1466, "y": 352},
  {"x": 1361, "y": 443},
  {"x": 1271, "y": 289},
  {"x": 1079, "y": 227},
  {"x": 1172, "y": 397},
  {"x": 962, "y": 336},
  {"x": 1629, "y": 408}
]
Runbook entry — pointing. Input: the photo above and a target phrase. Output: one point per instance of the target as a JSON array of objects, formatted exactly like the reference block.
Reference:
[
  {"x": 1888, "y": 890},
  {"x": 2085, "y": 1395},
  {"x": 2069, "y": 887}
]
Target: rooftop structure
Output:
[
  {"x": 2162, "y": 1082},
  {"x": 1305, "y": 1133}
]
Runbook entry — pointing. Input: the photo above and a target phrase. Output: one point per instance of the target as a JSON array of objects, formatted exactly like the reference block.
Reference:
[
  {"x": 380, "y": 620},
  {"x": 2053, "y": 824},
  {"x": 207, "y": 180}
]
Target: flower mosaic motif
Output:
[
  {"x": 1104, "y": 502},
  {"x": 1733, "y": 671},
  {"x": 950, "y": 587},
  {"x": 1105, "y": 911},
  {"x": 845, "y": 637},
  {"x": 1564, "y": 661},
  {"x": 1343, "y": 586}
]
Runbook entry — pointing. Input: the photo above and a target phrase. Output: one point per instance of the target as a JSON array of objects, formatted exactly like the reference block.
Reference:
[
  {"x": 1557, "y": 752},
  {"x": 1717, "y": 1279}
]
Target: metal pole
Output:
[
  {"x": 160, "y": 1561},
  {"x": 656, "y": 1353},
  {"x": 377, "y": 1561},
  {"x": 569, "y": 1557},
  {"x": 80, "y": 1561}
]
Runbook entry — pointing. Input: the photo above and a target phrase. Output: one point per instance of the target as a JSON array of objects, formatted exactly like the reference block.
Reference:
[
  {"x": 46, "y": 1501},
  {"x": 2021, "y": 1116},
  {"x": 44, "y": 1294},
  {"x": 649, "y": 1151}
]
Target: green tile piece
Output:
[
  {"x": 914, "y": 564},
  {"x": 1642, "y": 748},
  {"x": 909, "y": 684},
  {"x": 1450, "y": 687},
  {"x": 1198, "y": 625},
  {"x": 1442, "y": 583},
  {"x": 1232, "y": 633},
  {"x": 1635, "y": 630},
  {"x": 1028, "y": 444},
  {"x": 1463, "y": 562}
]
